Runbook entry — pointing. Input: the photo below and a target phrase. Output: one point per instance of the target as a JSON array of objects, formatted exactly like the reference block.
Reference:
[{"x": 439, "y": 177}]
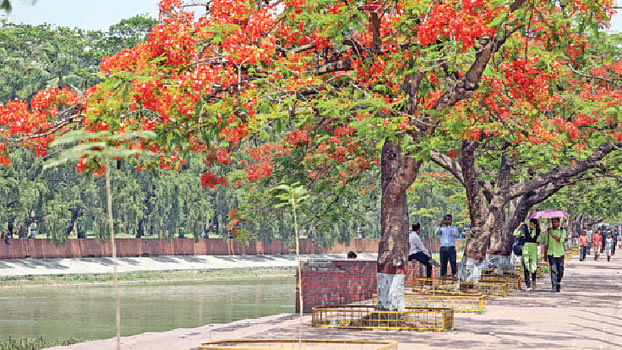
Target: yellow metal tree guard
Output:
[
  {"x": 310, "y": 344},
  {"x": 366, "y": 317},
  {"x": 457, "y": 302}
]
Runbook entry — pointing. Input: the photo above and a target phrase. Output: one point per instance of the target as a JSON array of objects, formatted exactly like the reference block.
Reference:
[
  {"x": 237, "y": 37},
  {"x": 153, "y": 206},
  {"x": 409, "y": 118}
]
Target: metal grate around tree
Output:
[
  {"x": 458, "y": 302},
  {"x": 366, "y": 317},
  {"x": 305, "y": 344}
]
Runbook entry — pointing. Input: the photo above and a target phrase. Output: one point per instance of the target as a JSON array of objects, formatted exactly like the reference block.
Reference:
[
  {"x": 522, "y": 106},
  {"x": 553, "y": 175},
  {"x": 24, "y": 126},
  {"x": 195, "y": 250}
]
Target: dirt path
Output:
[{"x": 585, "y": 315}]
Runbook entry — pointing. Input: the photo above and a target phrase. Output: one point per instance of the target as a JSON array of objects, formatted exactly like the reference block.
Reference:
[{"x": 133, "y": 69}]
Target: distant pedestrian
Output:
[
  {"x": 448, "y": 235},
  {"x": 230, "y": 248},
  {"x": 32, "y": 230},
  {"x": 590, "y": 233},
  {"x": 596, "y": 244},
  {"x": 81, "y": 233},
  {"x": 609, "y": 246},
  {"x": 20, "y": 232},
  {"x": 582, "y": 245},
  {"x": 614, "y": 235},
  {"x": 529, "y": 255},
  {"x": 604, "y": 238},
  {"x": 417, "y": 251},
  {"x": 555, "y": 239}
]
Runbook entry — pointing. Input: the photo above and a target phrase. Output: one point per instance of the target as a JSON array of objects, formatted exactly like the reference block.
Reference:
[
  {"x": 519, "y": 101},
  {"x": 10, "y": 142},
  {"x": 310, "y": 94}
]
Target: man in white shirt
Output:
[
  {"x": 448, "y": 245},
  {"x": 418, "y": 251}
]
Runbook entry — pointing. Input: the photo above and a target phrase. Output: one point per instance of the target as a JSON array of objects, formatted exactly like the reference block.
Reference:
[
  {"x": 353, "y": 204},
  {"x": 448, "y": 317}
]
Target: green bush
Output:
[{"x": 11, "y": 343}]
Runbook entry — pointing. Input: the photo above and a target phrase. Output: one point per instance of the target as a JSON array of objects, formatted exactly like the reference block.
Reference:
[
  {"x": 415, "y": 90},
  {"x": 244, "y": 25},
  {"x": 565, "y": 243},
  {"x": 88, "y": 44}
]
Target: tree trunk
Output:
[
  {"x": 498, "y": 255},
  {"x": 75, "y": 214},
  {"x": 470, "y": 269},
  {"x": 398, "y": 173}
]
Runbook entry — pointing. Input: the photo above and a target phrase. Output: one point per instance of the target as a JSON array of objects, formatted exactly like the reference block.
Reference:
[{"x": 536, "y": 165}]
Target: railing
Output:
[
  {"x": 513, "y": 282},
  {"x": 457, "y": 302},
  {"x": 366, "y": 317},
  {"x": 489, "y": 288}
]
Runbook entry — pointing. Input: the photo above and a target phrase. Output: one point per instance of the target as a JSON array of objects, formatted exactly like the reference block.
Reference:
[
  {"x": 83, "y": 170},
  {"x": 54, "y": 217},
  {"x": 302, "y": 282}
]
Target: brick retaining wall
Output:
[
  {"x": 90, "y": 247},
  {"x": 338, "y": 282}
]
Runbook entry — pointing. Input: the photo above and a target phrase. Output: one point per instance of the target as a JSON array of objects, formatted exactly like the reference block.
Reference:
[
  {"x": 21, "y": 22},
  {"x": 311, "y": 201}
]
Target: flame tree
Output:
[{"x": 318, "y": 91}]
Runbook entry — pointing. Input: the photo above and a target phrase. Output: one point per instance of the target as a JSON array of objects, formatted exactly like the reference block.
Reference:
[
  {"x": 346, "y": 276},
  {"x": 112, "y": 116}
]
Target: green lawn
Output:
[{"x": 149, "y": 277}]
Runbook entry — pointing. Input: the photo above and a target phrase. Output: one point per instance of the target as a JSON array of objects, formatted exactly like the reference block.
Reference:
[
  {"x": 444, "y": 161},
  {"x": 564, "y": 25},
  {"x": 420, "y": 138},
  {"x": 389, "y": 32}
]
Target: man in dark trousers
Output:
[
  {"x": 448, "y": 235},
  {"x": 417, "y": 251},
  {"x": 615, "y": 235},
  {"x": 554, "y": 241}
]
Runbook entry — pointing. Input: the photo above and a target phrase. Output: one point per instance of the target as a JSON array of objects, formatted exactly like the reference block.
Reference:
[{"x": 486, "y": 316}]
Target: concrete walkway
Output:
[
  {"x": 587, "y": 314},
  {"x": 20, "y": 268}
]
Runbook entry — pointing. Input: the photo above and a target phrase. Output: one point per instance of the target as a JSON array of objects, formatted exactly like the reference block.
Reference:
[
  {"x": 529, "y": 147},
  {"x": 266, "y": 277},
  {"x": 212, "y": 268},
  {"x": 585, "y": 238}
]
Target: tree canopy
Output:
[{"x": 320, "y": 92}]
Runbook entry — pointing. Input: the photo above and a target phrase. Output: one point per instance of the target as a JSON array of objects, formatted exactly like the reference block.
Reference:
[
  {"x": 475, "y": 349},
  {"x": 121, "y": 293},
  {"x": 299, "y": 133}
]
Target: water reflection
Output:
[{"x": 88, "y": 312}]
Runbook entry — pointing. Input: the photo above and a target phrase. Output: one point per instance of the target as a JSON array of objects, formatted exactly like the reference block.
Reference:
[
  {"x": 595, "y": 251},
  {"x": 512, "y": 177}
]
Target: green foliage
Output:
[
  {"x": 435, "y": 194},
  {"x": 34, "y": 343},
  {"x": 41, "y": 57}
]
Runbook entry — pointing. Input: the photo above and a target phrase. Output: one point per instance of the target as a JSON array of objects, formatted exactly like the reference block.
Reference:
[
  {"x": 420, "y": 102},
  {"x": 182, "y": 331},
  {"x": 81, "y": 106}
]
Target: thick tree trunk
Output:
[
  {"x": 475, "y": 250},
  {"x": 498, "y": 255},
  {"x": 398, "y": 173}
]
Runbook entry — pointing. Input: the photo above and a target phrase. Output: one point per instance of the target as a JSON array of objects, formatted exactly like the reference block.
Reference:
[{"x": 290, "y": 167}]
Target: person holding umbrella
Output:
[{"x": 554, "y": 240}]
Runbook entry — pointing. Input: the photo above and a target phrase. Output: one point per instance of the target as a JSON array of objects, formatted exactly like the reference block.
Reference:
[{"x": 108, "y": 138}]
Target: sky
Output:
[
  {"x": 101, "y": 14},
  {"x": 85, "y": 14}
]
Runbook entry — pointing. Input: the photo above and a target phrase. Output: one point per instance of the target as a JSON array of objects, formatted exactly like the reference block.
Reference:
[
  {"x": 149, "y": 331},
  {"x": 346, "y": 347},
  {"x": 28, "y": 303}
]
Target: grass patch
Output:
[
  {"x": 34, "y": 343},
  {"x": 148, "y": 277}
]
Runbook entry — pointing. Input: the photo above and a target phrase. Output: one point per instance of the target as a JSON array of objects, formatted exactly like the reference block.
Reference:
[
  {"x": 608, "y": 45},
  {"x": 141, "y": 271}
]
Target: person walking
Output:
[
  {"x": 582, "y": 245},
  {"x": 417, "y": 251},
  {"x": 614, "y": 236},
  {"x": 529, "y": 258},
  {"x": 609, "y": 246},
  {"x": 596, "y": 243},
  {"x": 604, "y": 238},
  {"x": 590, "y": 233},
  {"x": 448, "y": 235},
  {"x": 555, "y": 239}
]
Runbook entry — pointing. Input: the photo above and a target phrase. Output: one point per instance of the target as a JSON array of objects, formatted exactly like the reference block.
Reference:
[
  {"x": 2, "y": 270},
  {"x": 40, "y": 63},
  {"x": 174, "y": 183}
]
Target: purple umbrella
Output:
[{"x": 548, "y": 214}]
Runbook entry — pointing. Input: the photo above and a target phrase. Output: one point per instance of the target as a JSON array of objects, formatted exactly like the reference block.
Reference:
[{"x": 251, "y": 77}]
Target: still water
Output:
[{"x": 88, "y": 312}]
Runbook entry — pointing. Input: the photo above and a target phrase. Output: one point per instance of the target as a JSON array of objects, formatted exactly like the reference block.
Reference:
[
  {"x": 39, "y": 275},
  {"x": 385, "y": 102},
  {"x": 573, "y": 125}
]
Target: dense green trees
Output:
[
  {"x": 40, "y": 57},
  {"x": 153, "y": 203}
]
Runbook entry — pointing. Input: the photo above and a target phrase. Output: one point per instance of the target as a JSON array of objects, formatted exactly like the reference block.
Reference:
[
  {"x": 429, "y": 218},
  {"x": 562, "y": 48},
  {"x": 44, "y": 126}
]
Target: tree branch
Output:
[{"x": 593, "y": 161}]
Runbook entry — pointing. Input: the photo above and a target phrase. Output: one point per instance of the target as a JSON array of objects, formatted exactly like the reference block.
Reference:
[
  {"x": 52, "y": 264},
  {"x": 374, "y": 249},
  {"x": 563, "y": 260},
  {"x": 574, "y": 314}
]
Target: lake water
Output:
[{"x": 89, "y": 312}]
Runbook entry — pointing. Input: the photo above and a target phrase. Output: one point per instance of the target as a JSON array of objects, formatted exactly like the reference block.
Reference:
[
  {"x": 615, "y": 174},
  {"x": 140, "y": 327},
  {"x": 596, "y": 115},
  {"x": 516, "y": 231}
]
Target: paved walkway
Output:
[
  {"x": 20, "y": 268},
  {"x": 587, "y": 314}
]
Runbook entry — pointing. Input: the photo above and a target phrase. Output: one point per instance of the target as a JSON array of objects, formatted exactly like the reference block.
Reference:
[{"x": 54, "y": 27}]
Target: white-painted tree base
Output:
[
  {"x": 470, "y": 270},
  {"x": 391, "y": 292},
  {"x": 499, "y": 262}
]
